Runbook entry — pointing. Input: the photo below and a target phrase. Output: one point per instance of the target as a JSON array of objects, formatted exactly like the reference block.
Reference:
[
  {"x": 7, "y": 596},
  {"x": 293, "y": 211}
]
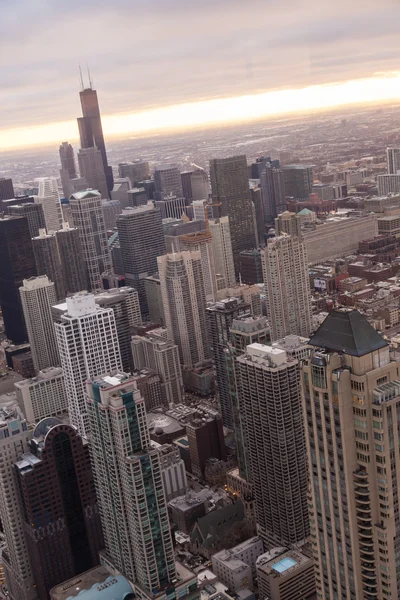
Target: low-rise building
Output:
[
  {"x": 286, "y": 575},
  {"x": 42, "y": 396}
]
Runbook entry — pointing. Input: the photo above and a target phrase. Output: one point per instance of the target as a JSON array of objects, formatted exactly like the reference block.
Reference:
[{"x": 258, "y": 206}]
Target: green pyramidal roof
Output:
[{"x": 348, "y": 332}]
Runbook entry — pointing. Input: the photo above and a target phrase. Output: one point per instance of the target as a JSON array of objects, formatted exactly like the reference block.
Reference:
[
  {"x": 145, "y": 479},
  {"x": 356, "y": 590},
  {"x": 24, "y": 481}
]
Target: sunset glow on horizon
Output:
[{"x": 380, "y": 88}]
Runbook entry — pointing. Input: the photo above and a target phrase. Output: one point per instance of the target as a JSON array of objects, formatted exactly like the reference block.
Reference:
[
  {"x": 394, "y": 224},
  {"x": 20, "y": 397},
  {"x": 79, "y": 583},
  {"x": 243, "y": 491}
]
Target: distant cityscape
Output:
[{"x": 199, "y": 362}]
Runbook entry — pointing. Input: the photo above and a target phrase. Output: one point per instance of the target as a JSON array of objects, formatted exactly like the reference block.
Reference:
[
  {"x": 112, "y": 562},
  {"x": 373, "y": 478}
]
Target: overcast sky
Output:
[{"x": 151, "y": 53}]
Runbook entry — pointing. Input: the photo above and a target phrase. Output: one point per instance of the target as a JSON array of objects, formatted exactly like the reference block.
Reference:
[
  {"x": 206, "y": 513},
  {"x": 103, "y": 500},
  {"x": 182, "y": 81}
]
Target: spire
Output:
[
  {"x": 89, "y": 76},
  {"x": 81, "y": 78}
]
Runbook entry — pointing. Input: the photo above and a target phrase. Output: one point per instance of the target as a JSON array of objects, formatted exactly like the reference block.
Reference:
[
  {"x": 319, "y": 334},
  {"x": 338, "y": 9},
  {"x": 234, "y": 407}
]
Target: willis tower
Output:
[{"x": 91, "y": 131}]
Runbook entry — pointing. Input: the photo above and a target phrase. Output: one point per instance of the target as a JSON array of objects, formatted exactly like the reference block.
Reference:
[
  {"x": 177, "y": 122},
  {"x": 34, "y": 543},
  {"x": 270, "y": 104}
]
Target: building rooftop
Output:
[
  {"x": 96, "y": 584},
  {"x": 347, "y": 331}
]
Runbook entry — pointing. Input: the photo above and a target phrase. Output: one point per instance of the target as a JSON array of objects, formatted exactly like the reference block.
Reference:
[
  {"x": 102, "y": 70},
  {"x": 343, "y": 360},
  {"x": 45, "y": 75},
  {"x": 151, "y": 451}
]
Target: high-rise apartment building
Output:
[
  {"x": 91, "y": 132},
  {"x": 88, "y": 218},
  {"x": 219, "y": 320},
  {"x": 289, "y": 223},
  {"x": 88, "y": 344},
  {"x": 47, "y": 260},
  {"x": 16, "y": 263},
  {"x": 49, "y": 198},
  {"x": 298, "y": 181},
  {"x": 230, "y": 187},
  {"x": 6, "y": 189},
  {"x": 393, "y": 161},
  {"x": 125, "y": 303},
  {"x": 129, "y": 486},
  {"x": 184, "y": 300},
  {"x": 38, "y": 295},
  {"x": 61, "y": 518},
  {"x": 141, "y": 239},
  {"x": 34, "y": 215},
  {"x": 351, "y": 400},
  {"x": 273, "y": 192},
  {"x": 162, "y": 356},
  {"x": 72, "y": 260},
  {"x": 136, "y": 171},
  {"x": 14, "y": 437},
  {"x": 42, "y": 396},
  {"x": 202, "y": 242},
  {"x": 388, "y": 184},
  {"x": 268, "y": 385},
  {"x": 92, "y": 170},
  {"x": 287, "y": 286},
  {"x": 167, "y": 182},
  {"x": 67, "y": 158},
  {"x": 244, "y": 330},
  {"x": 222, "y": 250}
]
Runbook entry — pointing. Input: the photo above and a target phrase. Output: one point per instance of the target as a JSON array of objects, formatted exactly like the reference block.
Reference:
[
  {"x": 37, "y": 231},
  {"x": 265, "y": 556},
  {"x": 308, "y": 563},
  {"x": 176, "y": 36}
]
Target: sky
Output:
[{"x": 183, "y": 62}]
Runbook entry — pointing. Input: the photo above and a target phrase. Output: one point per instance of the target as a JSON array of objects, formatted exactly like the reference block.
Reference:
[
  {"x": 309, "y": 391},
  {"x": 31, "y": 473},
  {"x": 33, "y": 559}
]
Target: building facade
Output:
[
  {"x": 72, "y": 260},
  {"x": 42, "y": 396},
  {"x": 47, "y": 260},
  {"x": 284, "y": 262},
  {"x": 88, "y": 344},
  {"x": 38, "y": 295},
  {"x": 61, "y": 518},
  {"x": 222, "y": 249},
  {"x": 34, "y": 215}
]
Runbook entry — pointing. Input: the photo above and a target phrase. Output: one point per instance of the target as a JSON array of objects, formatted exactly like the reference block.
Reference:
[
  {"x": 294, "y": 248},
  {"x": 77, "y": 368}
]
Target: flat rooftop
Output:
[{"x": 90, "y": 586}]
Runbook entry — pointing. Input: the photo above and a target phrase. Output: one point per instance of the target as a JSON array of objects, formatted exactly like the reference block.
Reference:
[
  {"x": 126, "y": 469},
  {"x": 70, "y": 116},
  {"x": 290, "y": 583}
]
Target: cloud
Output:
[{"x": 152, "y": 53}]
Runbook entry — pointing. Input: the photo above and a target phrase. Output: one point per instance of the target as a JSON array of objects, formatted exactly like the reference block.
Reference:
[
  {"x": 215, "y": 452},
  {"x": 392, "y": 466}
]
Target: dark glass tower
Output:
[
  {"x": 91, "y": 130},
  {"x": 61, "y": 518},
  {"x": 16, "y": 263},
  {"x": 230, "y": 188}
]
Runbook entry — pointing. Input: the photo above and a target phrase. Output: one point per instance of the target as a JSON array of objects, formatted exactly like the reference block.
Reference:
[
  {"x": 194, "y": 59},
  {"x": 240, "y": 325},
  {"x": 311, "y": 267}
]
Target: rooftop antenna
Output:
[
  {"x": 90, "y": 79},
  {"x": 81, "y": 77}
]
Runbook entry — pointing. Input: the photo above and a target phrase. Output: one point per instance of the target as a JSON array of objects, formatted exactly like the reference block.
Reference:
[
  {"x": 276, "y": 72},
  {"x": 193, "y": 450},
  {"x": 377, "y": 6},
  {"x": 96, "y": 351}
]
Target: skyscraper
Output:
[
  {"x": 14, "y": 437},
  {"x": 162, "y": 356},
  {"x": 125, "y": 303},
  {"x": 72, "y": 261},
  {"x": 92, "y": 170},
  {"x": 67, "y": 158},
  {"x": 49, "y": 198},
  {"x": 273, "y": 192},
  {"x": 6, "y": 189},
  {"x": 393, "y": 161},
  {"x": 47, "y": 260},
  {"x": 129, "y": 485},
  {"x": 219, "y": 319},
  {"x": 42, "y": 396},
  {"x": 141, "y": 238},
  {"x": 34, "y": 215},
  {"x": 222, "y": 249},
  {"x": 298, "y": 180},
  {"x": 16, "y": 263},
  {"x": 230, "y": 187},
  {"x": 167, "y": 182},
  {"x": 351, "y": 400},
  {"x": 88, "y": 217},
  {"x": 38, "y": 295},
  {"x": 202, "y": 242},
  {"x": 184, "y": 300},
  {"x": 268, "y": 385},
  {"x": 56, "y": 487},
  {"x": 195, "y": 185},
  {"x": 244, "y": 330},
  {"x": 135, "y": 171},
  {"x": 91, "y": 131},
  {"x": 287, "y": 285},
  {"x": 88, "y": 343}
]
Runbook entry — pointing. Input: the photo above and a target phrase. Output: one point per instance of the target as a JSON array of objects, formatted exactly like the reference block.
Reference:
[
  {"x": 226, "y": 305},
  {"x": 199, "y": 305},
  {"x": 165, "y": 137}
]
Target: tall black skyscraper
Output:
[
  {"x": 230, "y": 188},
  {"x": 6, "y": 189},
  {"x": 16, "y": 263},
  {"x": 91, "y": 131},
  {"x": 273, "y": 191}
]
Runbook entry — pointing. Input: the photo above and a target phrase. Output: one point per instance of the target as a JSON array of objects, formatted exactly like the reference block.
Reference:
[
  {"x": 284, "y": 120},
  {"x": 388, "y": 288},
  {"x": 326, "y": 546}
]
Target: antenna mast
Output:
[
  {"x": 81, "y": 78},
  {"x": 90, "y": 79}
]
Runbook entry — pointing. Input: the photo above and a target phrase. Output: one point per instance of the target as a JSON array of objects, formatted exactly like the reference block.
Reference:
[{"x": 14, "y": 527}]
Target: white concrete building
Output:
[
  {"x": 88, "y": 217},
  {"x": 285, "y": 271},
  {"x": 232, "y": 571},
  {"x": 393, "y": 161},
  {"x": 222, "y": 248},
  {"x": 201, "y": 241},
  {"x": 88, "y": 344},
  {"x": 42, "y": 396},
  {"x": 184, "y": 300},
  {"x": 172, "y": 469},
  {"x": 388, "y": 184},
  {"x": 49, "y": 197},
  {"x": 38, "y": 294}
]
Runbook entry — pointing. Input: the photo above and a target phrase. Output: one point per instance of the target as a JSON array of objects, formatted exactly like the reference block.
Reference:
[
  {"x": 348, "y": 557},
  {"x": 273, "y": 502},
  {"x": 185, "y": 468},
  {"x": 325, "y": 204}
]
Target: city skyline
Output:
[{"x": 311, "y": 46}]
